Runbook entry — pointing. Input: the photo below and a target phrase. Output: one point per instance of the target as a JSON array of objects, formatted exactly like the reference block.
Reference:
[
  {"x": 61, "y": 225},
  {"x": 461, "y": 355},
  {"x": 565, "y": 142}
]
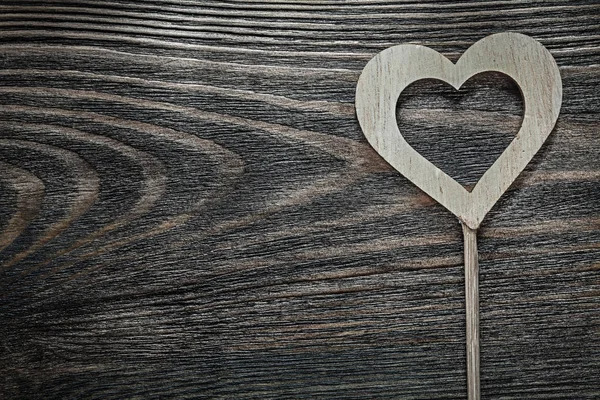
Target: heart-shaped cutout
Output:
[
  {"x": 520, "y": 57},
  {"x": 449, "y": 126}
]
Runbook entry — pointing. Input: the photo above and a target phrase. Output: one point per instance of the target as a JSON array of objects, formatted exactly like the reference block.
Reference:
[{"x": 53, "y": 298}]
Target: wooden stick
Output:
[{"x": 472, "y": 310}]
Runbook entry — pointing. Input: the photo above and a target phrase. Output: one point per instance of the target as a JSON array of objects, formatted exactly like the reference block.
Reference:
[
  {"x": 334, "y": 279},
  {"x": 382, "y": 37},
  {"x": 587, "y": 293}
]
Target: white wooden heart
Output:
[{"x": 520, "y": 57}]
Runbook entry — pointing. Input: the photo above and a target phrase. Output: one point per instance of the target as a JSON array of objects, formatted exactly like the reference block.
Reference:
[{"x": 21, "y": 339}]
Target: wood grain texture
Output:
[{"x": 189, "y": 209}]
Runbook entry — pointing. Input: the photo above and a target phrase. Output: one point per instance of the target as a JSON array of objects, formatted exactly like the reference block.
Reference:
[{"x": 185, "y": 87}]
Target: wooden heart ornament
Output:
[{"x": 520, "y": 57}]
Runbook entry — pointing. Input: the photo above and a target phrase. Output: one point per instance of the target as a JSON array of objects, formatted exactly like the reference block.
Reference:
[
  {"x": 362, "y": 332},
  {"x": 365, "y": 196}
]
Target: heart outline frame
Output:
[{"x": 522, "y": 58}]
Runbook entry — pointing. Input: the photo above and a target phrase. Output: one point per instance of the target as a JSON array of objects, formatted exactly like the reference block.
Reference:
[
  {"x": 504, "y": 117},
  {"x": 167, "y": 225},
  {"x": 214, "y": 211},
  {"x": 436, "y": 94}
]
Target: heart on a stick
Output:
[{"x": 520, "y": 57}]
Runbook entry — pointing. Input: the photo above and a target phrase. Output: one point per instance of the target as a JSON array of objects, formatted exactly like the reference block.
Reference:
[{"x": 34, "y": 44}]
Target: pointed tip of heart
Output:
[{"x": 472, "y": 224}]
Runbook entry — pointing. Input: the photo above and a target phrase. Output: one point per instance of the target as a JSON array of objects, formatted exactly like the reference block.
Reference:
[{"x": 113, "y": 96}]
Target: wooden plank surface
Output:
[{"x": 189, "y": 209}]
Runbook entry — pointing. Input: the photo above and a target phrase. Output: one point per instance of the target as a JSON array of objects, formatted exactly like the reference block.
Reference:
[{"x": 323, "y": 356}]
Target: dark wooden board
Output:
[{"x": 188, "y": 208}]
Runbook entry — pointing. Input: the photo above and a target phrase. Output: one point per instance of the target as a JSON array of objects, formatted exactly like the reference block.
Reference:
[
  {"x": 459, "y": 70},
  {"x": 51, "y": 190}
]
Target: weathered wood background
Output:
[{"x": 188, "y": 208}]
